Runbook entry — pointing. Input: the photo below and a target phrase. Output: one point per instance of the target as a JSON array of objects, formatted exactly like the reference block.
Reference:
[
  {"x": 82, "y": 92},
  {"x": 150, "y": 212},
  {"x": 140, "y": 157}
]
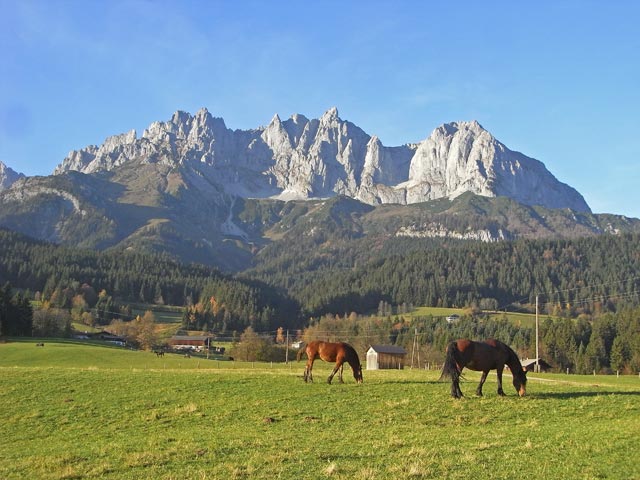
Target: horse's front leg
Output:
[
  {"x": 336, "y": 368},
  {"x": 483, "y": 378},
  {"x": 499, "y": 373},
  {"x": 340, "y": 373}
]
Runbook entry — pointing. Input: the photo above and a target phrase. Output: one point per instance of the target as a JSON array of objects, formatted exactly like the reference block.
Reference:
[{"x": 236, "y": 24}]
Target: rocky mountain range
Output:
[
  {"x": 300, "y": 159},
  {"x": 198, "y": 190}
]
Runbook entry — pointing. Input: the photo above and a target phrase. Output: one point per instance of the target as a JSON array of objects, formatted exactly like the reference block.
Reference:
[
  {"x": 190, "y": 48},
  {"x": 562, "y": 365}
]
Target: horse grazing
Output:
[
  {"x": 159, "y": 353},
  {"x": 331, "y": 352},
  {"x": 482, "y": 357}
]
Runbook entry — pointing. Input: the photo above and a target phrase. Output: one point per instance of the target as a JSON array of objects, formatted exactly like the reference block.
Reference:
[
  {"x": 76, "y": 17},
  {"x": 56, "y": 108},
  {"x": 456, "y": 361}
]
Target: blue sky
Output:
[{"x": 556, "y": 80}]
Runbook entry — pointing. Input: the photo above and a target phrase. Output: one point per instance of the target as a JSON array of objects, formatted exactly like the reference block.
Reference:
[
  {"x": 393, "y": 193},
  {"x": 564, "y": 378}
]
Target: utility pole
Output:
[
  {"x": 286, "y": 352},
  {"x": 415, "y": 348},
  {"x": 537, "y": 366}
]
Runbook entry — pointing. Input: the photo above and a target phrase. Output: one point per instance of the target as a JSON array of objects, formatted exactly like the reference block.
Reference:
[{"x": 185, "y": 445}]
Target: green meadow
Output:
[{"x": 75, "y": 411}]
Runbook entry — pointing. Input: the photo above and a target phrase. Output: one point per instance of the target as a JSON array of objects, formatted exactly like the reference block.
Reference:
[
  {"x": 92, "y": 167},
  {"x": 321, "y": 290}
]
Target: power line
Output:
[{"x": 584, "y": 301}]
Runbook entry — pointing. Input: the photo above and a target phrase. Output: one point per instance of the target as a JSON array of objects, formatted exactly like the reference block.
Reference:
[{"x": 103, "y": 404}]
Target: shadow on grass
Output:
[
  {"x": 411, "y": 382},
  {"x": 569, "y": 395}
]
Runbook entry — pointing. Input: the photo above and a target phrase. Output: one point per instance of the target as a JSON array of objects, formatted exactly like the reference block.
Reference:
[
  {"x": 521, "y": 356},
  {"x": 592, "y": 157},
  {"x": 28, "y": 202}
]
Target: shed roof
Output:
[
  {"x": 390, "y": 349},
  {"x": 530, "y": 361}
]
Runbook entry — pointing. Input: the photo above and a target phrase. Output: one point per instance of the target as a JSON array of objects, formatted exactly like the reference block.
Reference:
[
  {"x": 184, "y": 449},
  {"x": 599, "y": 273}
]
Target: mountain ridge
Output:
[{"x": 300, "y": 159}]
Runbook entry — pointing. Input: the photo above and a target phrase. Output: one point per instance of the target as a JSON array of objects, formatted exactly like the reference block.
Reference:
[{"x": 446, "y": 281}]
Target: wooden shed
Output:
[{"x": 385, "y": 357}]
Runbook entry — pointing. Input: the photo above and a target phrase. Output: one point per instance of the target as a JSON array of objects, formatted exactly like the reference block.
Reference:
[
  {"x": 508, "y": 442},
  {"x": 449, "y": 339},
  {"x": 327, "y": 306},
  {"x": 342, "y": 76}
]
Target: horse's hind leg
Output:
[
  {"x": 455, "y": 389},
  {"x": 482, "y": 380},
  {"x": 308, "y": 377}
]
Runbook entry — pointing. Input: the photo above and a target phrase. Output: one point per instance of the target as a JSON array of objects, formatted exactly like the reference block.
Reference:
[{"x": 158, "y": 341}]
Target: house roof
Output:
[
  {"x": 201, "y": 338},
  {"x": 391, "y": 349}
]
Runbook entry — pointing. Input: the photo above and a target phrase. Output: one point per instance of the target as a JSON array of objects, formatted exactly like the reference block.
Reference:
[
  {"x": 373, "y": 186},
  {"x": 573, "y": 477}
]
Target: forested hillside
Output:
[
  {"x": 60, "y": 273},
  {"x": 331, "y": 271},
  {"x": 336, "y": 270},
  {"x": 327, "y": 272}
]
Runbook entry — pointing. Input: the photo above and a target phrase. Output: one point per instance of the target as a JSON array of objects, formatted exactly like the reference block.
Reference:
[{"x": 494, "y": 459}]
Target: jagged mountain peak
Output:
[
  {"x": 471, "y": 128},
  {"x": 472, "y": 125},
  {"x": 275, "y": 119},
  {"x": 8, "y": 176},
  {"x": 181, "y": 117},
  {"x": 298, "y": 118},
  {"x": 331, "y": 114}
]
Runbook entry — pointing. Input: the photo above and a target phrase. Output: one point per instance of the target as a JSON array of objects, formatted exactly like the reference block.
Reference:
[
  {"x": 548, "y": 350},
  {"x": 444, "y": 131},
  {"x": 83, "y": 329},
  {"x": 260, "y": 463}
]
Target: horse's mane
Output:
[
  {"x": 514, "y": 363},
  {"x": 352, "y": 351}
]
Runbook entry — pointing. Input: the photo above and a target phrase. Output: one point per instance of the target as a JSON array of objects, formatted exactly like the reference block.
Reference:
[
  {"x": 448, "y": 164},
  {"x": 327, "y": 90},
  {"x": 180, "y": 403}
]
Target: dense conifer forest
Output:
[{"x": 334, "y": 274}]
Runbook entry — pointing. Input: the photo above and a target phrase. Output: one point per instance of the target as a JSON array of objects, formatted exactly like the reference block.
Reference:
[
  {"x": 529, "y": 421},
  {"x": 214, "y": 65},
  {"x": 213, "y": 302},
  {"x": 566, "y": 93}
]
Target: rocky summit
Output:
[
  {"x": 8, "y": 176},
  {"x": 301, "y": 158}
]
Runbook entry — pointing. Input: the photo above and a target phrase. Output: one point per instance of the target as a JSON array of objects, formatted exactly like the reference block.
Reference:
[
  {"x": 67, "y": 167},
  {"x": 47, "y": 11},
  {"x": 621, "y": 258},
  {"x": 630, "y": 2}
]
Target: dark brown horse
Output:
[
  {"x": 331, "y": 352},
  {"x": 482, "y": 357}
]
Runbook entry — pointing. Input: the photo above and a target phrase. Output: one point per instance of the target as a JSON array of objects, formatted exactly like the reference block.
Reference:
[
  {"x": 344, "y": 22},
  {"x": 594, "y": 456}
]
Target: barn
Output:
[
  {"x": 385, "y": 357},
  {"x": 190, "y": 342},
  {"x": 529, "y": 364}
]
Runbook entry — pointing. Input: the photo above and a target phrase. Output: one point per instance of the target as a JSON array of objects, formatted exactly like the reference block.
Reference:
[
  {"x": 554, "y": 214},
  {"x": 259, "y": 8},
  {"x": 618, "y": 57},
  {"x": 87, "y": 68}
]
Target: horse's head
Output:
[
  {"x": 357, "y": 372},
  {"x": 520, "y": 381}
]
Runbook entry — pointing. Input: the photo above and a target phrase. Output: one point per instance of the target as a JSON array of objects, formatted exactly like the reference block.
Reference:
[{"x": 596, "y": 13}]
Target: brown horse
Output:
[
  {"x": 331, "y": 352},
  {"x": 482, "y": 357}
]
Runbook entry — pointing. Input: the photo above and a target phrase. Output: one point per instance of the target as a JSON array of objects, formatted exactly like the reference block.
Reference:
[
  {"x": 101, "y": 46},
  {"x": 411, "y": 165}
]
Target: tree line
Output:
[{"x": 606, "y": 344}]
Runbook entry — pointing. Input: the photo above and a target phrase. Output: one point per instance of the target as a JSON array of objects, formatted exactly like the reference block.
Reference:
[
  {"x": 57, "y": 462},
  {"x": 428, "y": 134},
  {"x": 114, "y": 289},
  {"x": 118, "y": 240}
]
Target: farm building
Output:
[
  {"x": 190, "y": 342},
  {"x": 453, "y": 318},
  {"x": 385, "y": 356},
  {"x": 529, "y": 365}
]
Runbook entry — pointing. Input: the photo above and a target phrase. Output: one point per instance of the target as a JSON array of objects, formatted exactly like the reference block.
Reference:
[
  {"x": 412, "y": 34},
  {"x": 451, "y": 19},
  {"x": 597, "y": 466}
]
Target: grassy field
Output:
[
  {"x": 162, "y": 313},
  {"x": 72, "y": 411}
]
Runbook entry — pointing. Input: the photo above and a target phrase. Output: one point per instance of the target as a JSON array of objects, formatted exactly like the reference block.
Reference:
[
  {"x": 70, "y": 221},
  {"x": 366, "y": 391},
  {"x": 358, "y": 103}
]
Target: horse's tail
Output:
[
  {"x": 301, "y": 351},
  {"x": 450, "y": 368}
]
